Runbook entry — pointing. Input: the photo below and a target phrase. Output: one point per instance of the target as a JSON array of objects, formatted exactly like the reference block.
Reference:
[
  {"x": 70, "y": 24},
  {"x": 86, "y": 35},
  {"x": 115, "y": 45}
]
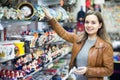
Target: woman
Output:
[{"x": 92, "y": 51}]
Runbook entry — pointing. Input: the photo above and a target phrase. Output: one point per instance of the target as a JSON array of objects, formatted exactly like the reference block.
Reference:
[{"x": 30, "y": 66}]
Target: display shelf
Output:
[
  {"x": 56, "y": 42},
  {"x": 4, "y": 61},
  {"x": 16, "y": 57},
  {"x": 33, "y": 73},
  {"x": 116, "y": 61},
  {"x": 45, "y": 66},
  {"x": 12, "y": 23},
  {"x": 56, "y": 59}
]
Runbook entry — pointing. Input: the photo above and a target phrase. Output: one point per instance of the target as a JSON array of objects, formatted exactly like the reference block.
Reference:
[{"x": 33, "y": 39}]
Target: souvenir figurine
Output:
[
  {"x": 2, "y": 73},
  {"x": 18, "y": 64},
  {"x": 29, "y": 57},
  {"x": 17, "y": 74},
  {"x": 39, "y": 14},
  {"x": 13, "y": 13},
  {"x": 20, "y": 14},
  {"x": 9, "y": 65},
  {"x": 6, "y": 13},
  {"x": 39, "y": 62},
  {"x": 4, "y": 77},
  {"x": 12, "y": 75},
  {"x": 7, "y": 73},
  {"x": 24, "y": 68},
  {"x": 24, "y": 60},
  {"x": 28, "y": 69},
  {"x": 21, "y": 75},
  {"x": 1, "y": 12},
  {"x": 33, "y": 66}
]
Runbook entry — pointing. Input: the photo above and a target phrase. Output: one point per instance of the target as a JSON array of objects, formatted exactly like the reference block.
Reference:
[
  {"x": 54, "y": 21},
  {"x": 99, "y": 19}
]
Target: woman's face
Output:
[{"x": 92, "y": 25}]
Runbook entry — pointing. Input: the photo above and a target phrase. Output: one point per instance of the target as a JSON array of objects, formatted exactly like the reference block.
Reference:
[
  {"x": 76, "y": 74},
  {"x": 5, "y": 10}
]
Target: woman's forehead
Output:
[{"x": 91, "y": 17}]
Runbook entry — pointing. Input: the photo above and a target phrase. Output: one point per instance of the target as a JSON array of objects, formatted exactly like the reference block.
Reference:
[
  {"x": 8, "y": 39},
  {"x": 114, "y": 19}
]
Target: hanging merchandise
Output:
[
  {"x": 80, "y": 20},
  {"x": 88, "y": 5}
]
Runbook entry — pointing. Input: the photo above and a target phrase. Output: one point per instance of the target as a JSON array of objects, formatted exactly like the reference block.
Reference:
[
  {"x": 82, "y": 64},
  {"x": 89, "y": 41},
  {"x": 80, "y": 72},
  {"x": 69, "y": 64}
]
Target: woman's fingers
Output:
[{"x": 47, "y": 13}]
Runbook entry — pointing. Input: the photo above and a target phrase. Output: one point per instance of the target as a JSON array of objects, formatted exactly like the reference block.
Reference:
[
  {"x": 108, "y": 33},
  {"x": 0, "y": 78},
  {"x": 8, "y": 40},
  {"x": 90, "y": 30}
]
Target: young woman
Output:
[{"x": 92, "y": 51}]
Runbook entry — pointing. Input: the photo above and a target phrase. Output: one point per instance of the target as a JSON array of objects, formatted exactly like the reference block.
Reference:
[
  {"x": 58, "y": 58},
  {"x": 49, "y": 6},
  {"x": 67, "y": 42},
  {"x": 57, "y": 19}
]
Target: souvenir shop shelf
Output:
[
  {"x": 50, "y": 63},
  {"x": 33, "y": 12},
  {"x": 37, "y": 45}
]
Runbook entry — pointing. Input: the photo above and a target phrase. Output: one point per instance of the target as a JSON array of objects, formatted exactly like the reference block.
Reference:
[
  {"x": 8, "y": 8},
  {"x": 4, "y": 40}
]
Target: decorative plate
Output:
[{"x": 27, "y": 8}]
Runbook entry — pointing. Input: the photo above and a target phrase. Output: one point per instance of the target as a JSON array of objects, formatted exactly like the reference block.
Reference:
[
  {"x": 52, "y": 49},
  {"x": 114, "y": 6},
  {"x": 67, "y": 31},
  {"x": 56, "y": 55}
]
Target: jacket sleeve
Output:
[
  {"x": 108, "y": 65},
  {"x": 70, "y": 37}
]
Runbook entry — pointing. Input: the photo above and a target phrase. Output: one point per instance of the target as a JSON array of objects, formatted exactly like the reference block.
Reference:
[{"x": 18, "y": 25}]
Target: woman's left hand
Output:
[{"x": 80, "y": 70}]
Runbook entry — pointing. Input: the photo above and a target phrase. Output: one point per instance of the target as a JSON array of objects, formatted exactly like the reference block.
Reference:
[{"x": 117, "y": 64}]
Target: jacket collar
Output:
[{"x": 99, "y": 43}]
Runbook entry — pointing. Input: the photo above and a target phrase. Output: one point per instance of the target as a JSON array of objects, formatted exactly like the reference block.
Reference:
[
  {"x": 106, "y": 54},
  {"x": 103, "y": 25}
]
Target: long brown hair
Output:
[{"x": 102, "y": 33}]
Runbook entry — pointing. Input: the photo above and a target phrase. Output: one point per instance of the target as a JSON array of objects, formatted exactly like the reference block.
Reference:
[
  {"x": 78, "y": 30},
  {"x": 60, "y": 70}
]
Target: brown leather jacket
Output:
[{"x": 100, "y": 58}]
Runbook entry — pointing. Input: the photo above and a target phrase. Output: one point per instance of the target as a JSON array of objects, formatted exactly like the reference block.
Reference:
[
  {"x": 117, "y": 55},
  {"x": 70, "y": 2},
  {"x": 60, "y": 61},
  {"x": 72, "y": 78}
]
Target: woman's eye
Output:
[
  {"x": 93, "y": 22},
  {"x": 86, "y": 22}
]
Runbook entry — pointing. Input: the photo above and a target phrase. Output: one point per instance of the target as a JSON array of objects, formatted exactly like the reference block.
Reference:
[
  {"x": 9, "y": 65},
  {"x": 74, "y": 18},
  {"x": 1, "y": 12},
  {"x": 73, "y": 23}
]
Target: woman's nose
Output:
[{"x": 89, "y": 24}]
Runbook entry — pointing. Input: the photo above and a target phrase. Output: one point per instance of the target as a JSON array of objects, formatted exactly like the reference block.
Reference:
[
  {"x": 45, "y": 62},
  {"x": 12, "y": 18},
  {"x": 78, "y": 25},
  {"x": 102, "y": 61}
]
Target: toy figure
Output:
[
  {"x": 12, "y": 75},
  {"x": 28, "y": 69},
  {"x": 25, "y": 59},
  {"x": 29, "y": 57},
  {"x": 9, "y": 65},
  {"x": 21, "y": 75},
  {"x": 3, "y": 74},
  {"x": 24, "y": 68},
  {"x": 17, "y": 74},
  {"x": 80, "y": 20},
  {"x": 39, "y": 62},
  {"x": 33, "y": 66},
  {"x": 18, "y": 64},
  {"x": 7, "y": 73}
]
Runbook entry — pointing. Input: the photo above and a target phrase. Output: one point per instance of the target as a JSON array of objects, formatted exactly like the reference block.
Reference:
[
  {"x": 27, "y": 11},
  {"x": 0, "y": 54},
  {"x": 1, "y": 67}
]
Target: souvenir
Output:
[
  {"x": 13, "y": 13},
  {"x": 12, "y": 75},
  {"x": 27, "y": 9},
  {"x": 20, "y": 14},
  {"x": 6, "y": 13},
  {"x": 1, "y": 12},
  {"x": 39, "y": 14},
  {"x": 6, "y": 52},
  {"x": 20, "y": 47},
  {"x": 59, "y": 16}
]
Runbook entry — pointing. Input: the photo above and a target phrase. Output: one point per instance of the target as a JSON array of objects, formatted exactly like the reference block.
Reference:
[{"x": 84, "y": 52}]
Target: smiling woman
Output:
[{"x": 92, "y": 49}]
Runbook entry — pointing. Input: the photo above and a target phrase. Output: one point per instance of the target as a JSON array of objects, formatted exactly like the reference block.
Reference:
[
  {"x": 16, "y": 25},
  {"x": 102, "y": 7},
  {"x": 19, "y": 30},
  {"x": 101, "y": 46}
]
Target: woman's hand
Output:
[
  {"x": 80, "y": 70},
  {"x": 47, "y": 14}
]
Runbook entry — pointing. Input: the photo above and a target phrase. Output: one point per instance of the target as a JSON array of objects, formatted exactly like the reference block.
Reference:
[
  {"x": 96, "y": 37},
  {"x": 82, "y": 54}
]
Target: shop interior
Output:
[{"x": 31, "y": 50}]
